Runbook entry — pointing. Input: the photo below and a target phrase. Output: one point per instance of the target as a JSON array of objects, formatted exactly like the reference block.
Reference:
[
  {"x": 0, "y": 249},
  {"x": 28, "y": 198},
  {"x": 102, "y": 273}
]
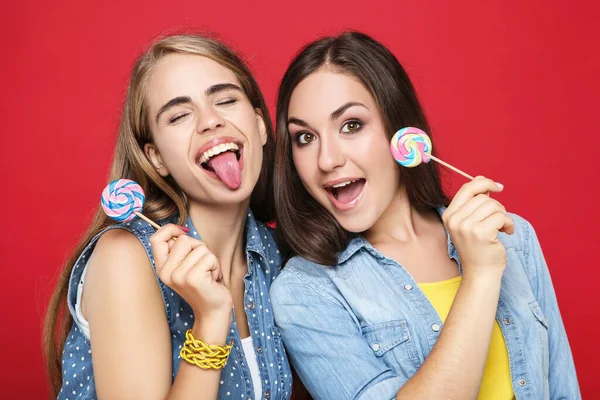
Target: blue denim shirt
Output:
[
  {"x": 361, "y": 329},
  {"x": 264, "y": 264}
]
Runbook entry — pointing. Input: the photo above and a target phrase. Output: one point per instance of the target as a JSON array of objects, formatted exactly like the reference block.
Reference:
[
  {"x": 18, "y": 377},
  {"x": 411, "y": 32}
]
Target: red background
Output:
[{"x": 510, "y": 88}]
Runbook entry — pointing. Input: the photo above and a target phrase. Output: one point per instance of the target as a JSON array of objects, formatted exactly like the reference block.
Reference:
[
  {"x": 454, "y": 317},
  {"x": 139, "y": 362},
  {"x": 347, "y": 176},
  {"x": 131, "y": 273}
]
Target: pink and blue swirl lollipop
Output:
[
  {"x": 123, "y": 200},
  {"x": 411, "y": 146}
]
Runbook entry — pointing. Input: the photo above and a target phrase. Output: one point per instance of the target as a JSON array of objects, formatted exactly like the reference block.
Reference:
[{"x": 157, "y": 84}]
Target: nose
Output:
[
  {"x": 331, "y": 154},
  {"x": 209, "y": 120}
]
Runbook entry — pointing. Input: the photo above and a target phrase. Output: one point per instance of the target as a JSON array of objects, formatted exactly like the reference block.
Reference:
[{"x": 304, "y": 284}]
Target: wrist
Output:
[
  {"x": 212, "y": 328},
  {"x": 483, "y": 275}
]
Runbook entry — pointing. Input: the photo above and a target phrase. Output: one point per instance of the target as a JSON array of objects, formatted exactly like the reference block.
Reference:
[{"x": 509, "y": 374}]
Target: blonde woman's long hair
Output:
[{"x": 163, "y": 196}]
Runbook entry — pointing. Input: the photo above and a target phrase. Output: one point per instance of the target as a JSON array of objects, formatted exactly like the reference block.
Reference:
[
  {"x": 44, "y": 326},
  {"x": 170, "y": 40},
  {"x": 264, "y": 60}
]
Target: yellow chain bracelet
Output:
[{"x": 198, "y": 353}]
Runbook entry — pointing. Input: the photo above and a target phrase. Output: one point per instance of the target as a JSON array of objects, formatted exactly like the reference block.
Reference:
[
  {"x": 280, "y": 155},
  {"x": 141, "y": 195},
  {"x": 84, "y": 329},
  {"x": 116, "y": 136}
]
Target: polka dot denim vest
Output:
[{"x": 264, "y": 264}]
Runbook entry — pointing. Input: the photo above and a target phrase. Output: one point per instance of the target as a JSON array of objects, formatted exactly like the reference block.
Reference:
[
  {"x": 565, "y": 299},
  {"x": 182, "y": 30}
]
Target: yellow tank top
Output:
[{"x": 496, "y": 383}]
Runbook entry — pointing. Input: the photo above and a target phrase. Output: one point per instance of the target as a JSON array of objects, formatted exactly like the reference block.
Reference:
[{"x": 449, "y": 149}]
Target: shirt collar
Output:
[{"x": 254, "y": 241}]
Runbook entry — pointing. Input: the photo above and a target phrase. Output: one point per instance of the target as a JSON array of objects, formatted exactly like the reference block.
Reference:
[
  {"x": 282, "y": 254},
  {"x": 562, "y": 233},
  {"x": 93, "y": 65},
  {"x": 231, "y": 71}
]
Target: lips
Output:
[
  {"x": 216, "y": 150},
  {"x": 211, "y": 146},
  {"x": 345, "y": 193}
]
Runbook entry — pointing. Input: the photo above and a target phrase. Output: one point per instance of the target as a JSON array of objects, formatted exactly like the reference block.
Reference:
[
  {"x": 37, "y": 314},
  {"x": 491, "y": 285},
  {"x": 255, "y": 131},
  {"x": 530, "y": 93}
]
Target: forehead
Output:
[
  {"x": 324, "y": 91},
  {"x": 185, "y": 75}
]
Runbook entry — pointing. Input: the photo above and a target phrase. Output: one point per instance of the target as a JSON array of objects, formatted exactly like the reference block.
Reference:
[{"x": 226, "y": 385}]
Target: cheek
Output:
[
  {"x": 171, "y": 148},
  {"x": 388, "y": 169},
  {"x": 243, "y": 117},
  {"x": 247, "y": 124},
  {"x": 376, "y": 157},
  {"x": 387, "y": 179},
  {"x": 374, "y": 150}
]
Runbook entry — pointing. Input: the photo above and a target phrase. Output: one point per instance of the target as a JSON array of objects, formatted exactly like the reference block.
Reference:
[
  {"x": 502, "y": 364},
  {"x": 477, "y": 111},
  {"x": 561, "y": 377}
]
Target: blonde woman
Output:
[{"x": 196, "y": 135}]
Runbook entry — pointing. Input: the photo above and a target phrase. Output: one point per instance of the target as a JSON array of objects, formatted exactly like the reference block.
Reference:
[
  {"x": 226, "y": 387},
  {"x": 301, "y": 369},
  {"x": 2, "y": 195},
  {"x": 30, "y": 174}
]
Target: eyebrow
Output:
[
  {"x": 214, "y": 89},
  {"x": 337, "y": 113},
  {"x": 334, "y": 115},
  {"x": 298, "y": 121},
  {"x": 220, "y": 87}
]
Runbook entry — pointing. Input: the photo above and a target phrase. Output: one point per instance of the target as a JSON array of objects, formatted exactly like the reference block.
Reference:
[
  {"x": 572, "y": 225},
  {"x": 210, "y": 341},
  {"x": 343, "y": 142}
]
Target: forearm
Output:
[
  {"x": 454, "y": 368},
  {"x": 193, "y": 381}
]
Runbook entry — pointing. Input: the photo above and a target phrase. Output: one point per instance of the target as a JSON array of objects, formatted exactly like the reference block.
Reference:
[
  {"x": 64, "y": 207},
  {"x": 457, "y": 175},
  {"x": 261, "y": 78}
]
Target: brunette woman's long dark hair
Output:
[{"x": 305, "y": 227}]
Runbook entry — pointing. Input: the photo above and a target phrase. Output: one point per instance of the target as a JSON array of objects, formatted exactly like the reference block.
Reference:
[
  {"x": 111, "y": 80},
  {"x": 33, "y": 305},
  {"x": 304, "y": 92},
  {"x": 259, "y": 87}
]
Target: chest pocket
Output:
[
  {"x": 392, "y": 343},
  {"x": 542, "y": 326}
]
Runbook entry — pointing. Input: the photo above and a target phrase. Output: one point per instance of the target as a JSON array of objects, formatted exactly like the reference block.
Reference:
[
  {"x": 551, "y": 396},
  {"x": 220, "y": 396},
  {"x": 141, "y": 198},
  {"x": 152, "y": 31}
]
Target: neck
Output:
[
  {"x": 401, "y": 222},
  {"x": 222, "y": 229}
]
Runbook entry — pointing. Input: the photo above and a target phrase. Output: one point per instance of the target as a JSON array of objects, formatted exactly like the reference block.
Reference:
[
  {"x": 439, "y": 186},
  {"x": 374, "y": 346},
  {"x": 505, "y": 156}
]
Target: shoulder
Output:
[
  {"x": 119, "y": 245},
  {"x": 309, "y": 271},
  {"x": 520, "y": 239},
  {"x": 524, "y": 251},
  {"x": 118, "y": 265},
  {"x": 300, "y": 277}
]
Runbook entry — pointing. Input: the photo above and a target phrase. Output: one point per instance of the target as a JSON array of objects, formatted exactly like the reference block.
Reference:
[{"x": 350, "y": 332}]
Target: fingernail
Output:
[
  {"x": 186, "y": 230},
  {"x": 501, "y": 186}
]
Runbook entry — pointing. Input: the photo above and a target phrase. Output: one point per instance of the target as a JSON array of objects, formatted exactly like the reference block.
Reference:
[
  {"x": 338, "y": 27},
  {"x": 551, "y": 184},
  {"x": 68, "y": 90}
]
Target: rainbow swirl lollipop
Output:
[
  {"x": 122, "y": 200},
  {"x": 410, "y": 147}
]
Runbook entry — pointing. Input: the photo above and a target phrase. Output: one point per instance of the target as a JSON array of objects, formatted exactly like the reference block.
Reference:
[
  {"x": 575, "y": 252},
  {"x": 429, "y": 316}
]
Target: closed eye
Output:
[
  {"x": 227, "y": 102},
  {"x": 178, "y": 117}
]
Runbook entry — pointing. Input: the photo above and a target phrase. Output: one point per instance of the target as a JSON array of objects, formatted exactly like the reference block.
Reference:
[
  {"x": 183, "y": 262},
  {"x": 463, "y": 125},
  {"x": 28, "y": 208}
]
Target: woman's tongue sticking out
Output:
[{"x": 227, "y": 168}]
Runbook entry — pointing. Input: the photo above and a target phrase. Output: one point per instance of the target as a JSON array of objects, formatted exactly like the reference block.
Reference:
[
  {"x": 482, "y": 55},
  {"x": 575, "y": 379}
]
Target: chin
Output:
[
  {"x": 230, "y": 199},
  {"x": 355, "y": 224}
]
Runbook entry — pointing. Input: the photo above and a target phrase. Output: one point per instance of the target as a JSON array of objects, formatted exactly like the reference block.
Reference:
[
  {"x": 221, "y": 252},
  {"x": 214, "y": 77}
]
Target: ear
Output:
[
  {"x": 154, "y": 156},
  {"x": 262, "y": 128}
]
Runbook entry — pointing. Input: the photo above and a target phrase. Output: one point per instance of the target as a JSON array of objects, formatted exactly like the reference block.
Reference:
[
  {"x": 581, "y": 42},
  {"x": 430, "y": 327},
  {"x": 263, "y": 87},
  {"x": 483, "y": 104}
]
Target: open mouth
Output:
[
  {"x": 345, "y": 195},
  {"x": 223, "y": 161}
]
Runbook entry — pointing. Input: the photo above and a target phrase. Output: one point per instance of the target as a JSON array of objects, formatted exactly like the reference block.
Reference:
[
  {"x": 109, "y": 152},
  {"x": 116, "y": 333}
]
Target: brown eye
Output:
[
  {"x": 351, "y": 127},
  {"x": 305, "y": 137}
]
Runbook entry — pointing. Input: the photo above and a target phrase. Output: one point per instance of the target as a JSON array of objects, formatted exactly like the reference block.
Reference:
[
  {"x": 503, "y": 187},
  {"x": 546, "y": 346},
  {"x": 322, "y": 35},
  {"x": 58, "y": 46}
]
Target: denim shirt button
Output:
[
  {"x": 251, "y": 305},
  {"x": 435, "y": 327},
  {"x": 522, "y": 382},
  {"x": 506, "y": 321},
  {"x": 408, "y": 287},
  {"x": 267, "y": 395},
  {"x": 375, "y": 346},
  {"x": 259, "y": 349}
]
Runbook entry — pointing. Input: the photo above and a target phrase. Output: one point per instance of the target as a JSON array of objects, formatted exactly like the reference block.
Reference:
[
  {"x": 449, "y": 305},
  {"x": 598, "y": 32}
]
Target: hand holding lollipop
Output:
[{"x": 175, "y": 257}]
